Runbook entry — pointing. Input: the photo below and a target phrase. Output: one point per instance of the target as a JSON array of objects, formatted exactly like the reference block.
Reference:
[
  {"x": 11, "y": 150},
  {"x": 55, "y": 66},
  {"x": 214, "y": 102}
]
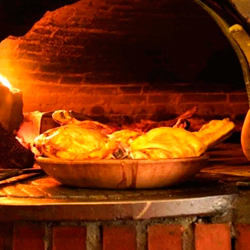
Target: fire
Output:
[
  {"x": 5, "y": 82},
  {"x": 30, "y": 128}
]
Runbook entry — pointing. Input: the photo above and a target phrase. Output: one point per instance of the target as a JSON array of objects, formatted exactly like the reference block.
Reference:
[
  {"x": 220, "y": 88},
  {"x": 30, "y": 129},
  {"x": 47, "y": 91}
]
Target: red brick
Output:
[
  {"x": 69, "y": 238},
  {"x": 239, "y": 97},
  {"x": 33, "y": 37},
  {"x": 53, "y": 68},
  {"x": 30, "y": 47},
  {"x": 212, "y": 237},
  {"x": 84, "y": 90},
  {"x": 47, "y": 78},
  {"x": 239, "y": 108},
  {"x": 165, "y": 237},
  {"x": 169, "y": 88},
  {"x": 67, "y": 33},
  {"x": 200, "y": 97},
  {"x": 28, "y": 236},
  {"x": 242, "y": 237},
  {"x": 205, "y": 109},
  {"x": 82, "y": 99},
  {"x": 71, "y": 80},
  {"x": 119, "y": 238},
  {"x": 46, "y": 98},
  {"x": 51, "y": 107},
  {"x": 61, "y": 90},
  {"x": 29, "y": 56},
  {"x": 163, "y": 98},
  {"x": 121, "y": 109},
  {"x": 134, "y": 99},
  {"x": 112, "y": 100},
  {"x": 43, "y": 31},
  {"x": 131, "y": 89},
  {"x": 106, "y": 90}
]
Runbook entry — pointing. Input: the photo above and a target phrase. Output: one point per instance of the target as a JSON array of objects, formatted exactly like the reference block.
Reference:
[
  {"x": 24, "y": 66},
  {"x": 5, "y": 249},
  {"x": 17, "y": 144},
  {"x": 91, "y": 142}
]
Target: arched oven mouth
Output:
[{"x": 122, "y": 62}]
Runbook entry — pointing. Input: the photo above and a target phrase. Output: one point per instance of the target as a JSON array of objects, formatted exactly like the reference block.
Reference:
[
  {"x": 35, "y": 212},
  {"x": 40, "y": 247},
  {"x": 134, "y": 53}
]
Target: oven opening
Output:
[
  {"x": 123, "y": 122},
  {"x": 120, "y": 65}
]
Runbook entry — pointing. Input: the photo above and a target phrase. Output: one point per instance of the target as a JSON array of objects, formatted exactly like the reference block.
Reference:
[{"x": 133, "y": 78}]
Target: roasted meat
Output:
[
  {"x": 72, "y": 142},
  {"x": 78, "y": 140},
  {"x": 215, "y": 132},
  {"x": 124, "y": 136},
  {"x": 168, "y": 143},
  {"x": 64, "y": 117},
  {"x": 146, "y": 125}
]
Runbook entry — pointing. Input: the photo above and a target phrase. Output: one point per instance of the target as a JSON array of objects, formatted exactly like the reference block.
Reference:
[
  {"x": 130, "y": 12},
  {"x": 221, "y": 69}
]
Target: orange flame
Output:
[{"x": 5, "y": 82}]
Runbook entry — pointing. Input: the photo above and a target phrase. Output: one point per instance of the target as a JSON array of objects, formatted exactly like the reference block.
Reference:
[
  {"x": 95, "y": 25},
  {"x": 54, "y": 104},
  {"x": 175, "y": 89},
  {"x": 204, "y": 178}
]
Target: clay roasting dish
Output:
[
  {"x": 123, "y": 174},
  {"x": 62, "y": 153}
]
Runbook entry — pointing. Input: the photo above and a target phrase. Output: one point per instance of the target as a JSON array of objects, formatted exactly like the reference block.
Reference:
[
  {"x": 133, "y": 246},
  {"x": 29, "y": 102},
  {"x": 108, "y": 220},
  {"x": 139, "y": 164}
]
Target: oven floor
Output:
[
  {"x": 213, "y": 189},
  {"x": 227, "y": 164},
  {"x": 228, "y": 159}
]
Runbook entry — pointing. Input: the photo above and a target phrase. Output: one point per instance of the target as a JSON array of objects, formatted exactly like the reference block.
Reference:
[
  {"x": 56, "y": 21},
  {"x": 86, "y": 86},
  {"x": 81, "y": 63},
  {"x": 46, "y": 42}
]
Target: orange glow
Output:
[
  {"x": 30, "y": 128},
  {"x": 7, "y": 84}
]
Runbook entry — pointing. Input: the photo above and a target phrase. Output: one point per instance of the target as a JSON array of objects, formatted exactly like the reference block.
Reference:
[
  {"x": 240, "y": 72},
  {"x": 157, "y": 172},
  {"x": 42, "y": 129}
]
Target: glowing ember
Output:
[{"x": 7, "y": 84}]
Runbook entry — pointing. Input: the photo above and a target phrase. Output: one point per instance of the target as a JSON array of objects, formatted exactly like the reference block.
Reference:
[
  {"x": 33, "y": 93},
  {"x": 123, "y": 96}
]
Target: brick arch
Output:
[{"x": 117, "y": 55}]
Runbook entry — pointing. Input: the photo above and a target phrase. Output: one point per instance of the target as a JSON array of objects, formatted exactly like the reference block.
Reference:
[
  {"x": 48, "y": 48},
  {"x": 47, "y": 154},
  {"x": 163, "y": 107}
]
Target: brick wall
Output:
[
  {"x": 159, "y": 234},
  {"x": 129, "y": 102},
  {"x": 126, "y": 60}
]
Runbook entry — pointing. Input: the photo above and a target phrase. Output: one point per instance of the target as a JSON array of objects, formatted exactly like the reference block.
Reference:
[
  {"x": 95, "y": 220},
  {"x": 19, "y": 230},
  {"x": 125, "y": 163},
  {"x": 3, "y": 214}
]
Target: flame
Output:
[{"x": 5, "y": 82}]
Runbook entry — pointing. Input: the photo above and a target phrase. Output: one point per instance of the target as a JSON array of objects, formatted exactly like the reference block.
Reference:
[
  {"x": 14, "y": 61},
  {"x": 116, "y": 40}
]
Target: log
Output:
[
  {"x": 12, "y": 153},
  {"x": 11, "y": 108}
]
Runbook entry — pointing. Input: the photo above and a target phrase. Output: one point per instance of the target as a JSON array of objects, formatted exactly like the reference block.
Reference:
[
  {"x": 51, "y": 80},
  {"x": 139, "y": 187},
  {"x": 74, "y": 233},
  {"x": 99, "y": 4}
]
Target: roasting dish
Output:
[
  {"x": 89, "y": 154},
  {"x": 123, "y": 174}
]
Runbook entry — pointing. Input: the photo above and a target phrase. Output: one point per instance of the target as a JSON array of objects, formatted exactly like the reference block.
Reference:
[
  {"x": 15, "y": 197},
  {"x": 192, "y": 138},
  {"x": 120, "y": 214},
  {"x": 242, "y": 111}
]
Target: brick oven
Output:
[
  {"x": 121, "y": 61},
  {"x": 118, "y": 63}
]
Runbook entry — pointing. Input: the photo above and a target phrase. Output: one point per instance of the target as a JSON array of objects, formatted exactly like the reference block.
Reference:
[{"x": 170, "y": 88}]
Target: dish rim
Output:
[{"x": 48, "y": 160}]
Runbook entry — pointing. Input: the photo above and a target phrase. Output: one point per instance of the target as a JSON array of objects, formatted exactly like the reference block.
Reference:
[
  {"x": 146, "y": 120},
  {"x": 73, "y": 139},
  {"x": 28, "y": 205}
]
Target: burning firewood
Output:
[
  {"x": 13, "y": 154},
  {"x": 11, "y": 105}
]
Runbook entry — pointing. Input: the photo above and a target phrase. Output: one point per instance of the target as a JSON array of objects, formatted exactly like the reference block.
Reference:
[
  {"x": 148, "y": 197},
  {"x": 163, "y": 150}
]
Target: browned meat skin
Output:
[
  {"x": 105, "y": 129},
  {"x": 168, "y": 142},
  {"x": 146, "y": 125},
  {"x": 71, "y": 142},
  {"x": 84, "y": 140},
  {"x": 64, "y": 117}
]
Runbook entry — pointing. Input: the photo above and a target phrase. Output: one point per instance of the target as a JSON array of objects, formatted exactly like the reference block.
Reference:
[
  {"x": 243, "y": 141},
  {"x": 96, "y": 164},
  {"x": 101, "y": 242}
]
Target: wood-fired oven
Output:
[{"x": 120, "y": 62}]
